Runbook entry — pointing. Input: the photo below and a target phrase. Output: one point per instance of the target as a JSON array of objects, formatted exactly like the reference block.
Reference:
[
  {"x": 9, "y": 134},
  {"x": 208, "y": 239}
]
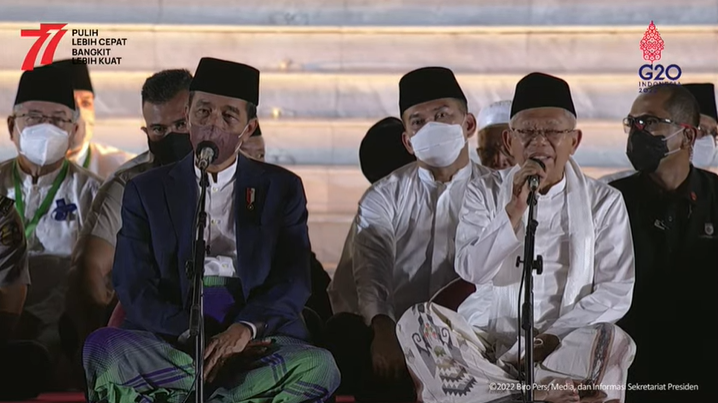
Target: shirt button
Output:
[
  {"x": 215, "y": 190},
  {"x": 224, "y": 265},
  {"x": 214, "y": 222}
]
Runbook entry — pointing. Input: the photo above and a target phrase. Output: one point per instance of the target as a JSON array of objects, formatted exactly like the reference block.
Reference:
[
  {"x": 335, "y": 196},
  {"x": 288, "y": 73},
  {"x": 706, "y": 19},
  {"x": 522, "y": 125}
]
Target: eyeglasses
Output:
[
  {"x": 33, "y": 119},
  {"x": 649, "y": 123},
  {"x": 553, "y": 136}
]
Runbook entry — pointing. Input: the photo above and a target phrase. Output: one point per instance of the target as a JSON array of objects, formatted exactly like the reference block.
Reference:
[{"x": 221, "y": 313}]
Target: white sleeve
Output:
[
  {"x": 614, "y": 275},
  {"x": 374, "y": 256},
  {"x": 484, "y": 238}
]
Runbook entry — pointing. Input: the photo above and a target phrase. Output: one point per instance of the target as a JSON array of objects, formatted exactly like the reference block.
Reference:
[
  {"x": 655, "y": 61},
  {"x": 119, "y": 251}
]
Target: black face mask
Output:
[
  {"x": 645, "y": 151},
  {"x": 172, "y": 148}
]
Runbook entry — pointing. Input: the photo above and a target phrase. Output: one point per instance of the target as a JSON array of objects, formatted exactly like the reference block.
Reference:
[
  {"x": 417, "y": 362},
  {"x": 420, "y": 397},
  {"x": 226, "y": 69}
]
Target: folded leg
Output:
[
  {"x": 598, "y": 356},
  {"x": 450, "y": 359},
  {"x": 129, "y": 367}
]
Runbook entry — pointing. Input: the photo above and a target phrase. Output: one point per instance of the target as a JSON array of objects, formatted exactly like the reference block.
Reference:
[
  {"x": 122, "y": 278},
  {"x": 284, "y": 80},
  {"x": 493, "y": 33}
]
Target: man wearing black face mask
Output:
[
  {"x": 673, "y": 208},
  {"x": 90, "y": 298}
]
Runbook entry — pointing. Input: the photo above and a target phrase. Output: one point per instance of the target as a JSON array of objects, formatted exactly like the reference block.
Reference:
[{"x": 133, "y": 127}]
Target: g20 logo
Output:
[{"x": 659, "y": 73}]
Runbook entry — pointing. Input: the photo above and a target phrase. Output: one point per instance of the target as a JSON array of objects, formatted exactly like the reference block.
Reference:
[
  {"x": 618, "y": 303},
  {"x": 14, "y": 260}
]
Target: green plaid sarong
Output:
[{"x": 125, "y": 366}]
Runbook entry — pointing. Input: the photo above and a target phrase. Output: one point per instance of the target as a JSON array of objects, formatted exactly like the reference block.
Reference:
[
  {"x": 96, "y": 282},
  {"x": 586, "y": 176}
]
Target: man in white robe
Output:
[
  {"x": 403, "y": 248},
  {"x": 100, "y": 159},
  {"x": 584, "y": 238},
  {"x": 52, "y": 195},
  {"x": 493, "y": 120}
]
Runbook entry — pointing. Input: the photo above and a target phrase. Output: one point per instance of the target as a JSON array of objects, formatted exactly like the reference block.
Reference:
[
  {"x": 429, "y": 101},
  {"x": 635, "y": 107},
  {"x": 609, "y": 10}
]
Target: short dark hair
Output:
[
  {"x": 681, "y": 104},
  {"x": 165, "y": 85},
  {"x": 251, "y": 108}
]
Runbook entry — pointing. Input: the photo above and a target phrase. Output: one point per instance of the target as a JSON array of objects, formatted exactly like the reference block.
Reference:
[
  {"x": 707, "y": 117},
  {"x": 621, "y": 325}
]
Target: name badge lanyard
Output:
[
  {"x": 86, "y": 163},
  {"x": 44, "y": 206}
]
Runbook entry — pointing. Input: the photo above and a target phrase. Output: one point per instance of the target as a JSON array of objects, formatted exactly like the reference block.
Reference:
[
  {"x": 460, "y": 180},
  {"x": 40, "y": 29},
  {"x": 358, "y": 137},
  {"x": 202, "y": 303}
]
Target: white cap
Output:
[{"x": 494, "y": 114}]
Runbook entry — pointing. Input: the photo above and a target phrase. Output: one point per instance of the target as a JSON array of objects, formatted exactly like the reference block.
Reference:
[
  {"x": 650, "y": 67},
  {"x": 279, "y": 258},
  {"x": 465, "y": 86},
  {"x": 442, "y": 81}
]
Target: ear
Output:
[
  {"x": 407, "y": 143},
  {"x": 251, "y": 127},
  {"x": 11, "y": 126},
  {"x": 470, "y": 125},
  {"x": 576, "y": 141},
  {"x": 144, "y": 129},
  {"x": 690, "y": 134},
  {"x": 186, "y": 112}
]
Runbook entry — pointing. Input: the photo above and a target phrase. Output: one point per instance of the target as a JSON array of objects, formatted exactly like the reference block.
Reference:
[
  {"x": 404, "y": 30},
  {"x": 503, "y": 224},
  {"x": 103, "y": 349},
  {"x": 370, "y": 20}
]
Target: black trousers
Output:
[
  {"x": 24, "y": 370},
  {"x": 349, "y": 340}
]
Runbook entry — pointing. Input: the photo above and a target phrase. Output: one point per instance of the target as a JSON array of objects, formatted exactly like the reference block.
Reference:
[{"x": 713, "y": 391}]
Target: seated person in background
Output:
[
  {"x": 53, "y": 197},
  {"x": 90, "y": 297},
  {"x": 402, "y": 251},
  {"x": 673, "y": 208},
  {"x": 584, "y": 238},
  {"x": 101, "y": 160},
  {"x": 704, "y": 149},
  {"x": 253, "y": 146},
  {"x": 24, "y": 365},
  {"x": 256, "y": 269},
  {"x": 320, "y": 309},
  {"x": 492, "y": 122},
  {"x": 382, "y": 150}
]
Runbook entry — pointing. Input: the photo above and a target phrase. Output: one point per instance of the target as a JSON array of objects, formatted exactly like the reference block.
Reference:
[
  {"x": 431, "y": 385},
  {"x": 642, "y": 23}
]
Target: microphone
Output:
[
  {"x": 207, "y": 153},
  {"x": 535, "y": 180}
]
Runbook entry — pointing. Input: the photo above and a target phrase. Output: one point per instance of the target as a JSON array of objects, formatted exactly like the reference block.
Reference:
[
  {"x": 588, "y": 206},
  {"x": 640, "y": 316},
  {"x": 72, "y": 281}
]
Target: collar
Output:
[
  {"x": 224, "y": 177},
  {"x": 464, "y": 173},
  {"x": 42, "y": 181},
  {"x": 555, "y": 190},
  {"x": 80, "y": 158},
  {"x": 687, "y": 190}
]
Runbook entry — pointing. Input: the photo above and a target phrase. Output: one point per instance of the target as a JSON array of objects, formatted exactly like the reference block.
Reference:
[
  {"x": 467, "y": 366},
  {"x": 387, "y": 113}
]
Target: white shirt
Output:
[
  {"x": 220, "y": 230},
  {"x": 104, "y": 160},
  {"x": 400, "y": 249},
  {"x": 50, "y": 245},
  {"x": 487, "y": 248}
]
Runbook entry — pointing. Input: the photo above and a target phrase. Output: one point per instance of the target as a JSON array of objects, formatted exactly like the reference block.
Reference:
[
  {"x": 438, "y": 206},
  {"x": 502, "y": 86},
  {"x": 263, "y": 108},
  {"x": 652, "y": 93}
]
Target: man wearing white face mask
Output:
[
  {"x": 52, "y": 194},
  {"x": 102, "y": 160},
  {"x": 584, "y": 239},
  {"x": 403, "y": 249}
]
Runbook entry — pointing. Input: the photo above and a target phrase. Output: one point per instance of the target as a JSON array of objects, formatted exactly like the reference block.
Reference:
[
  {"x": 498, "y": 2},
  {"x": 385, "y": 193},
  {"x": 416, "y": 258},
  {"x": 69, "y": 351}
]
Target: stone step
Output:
[
  {"x": 365, "y": 12},
  {"x": 486, "y": 50},
  {"x": 336, "y": 142},
  {"x": 368, "y": 96}
]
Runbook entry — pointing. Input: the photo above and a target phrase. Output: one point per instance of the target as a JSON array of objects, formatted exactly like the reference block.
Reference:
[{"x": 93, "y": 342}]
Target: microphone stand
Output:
[
  {"x": 530, "y": 263},
  {"x": 195, "y": 271}
]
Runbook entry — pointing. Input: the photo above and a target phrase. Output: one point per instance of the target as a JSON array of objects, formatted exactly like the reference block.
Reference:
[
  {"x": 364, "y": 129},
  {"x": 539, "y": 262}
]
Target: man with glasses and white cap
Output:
[
  {"x": 493, "y": 120},
  {"x": 52, "y": 195},
  {"x": 584, "y": 238}
]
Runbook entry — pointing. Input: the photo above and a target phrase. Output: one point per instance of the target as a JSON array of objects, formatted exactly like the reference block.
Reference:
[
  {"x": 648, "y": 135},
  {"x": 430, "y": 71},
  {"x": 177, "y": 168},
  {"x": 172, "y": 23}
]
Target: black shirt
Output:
[{"x": 674, "y": 315}]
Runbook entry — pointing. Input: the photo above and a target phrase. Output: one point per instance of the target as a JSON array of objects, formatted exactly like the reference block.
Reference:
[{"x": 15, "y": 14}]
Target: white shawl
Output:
[{"x": 582, "y": 236}]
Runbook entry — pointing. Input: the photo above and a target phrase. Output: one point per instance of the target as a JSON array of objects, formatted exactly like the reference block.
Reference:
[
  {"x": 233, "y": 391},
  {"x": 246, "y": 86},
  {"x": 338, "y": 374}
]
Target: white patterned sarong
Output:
[{"x": 455, "y": 362}]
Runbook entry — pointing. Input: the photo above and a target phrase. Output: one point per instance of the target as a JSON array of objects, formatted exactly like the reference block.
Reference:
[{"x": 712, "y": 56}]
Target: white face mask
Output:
[
  {"x": 704, "y": 152},
  {"x": 438, "y": 144},
  {"x": 43, "y": 144}
]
